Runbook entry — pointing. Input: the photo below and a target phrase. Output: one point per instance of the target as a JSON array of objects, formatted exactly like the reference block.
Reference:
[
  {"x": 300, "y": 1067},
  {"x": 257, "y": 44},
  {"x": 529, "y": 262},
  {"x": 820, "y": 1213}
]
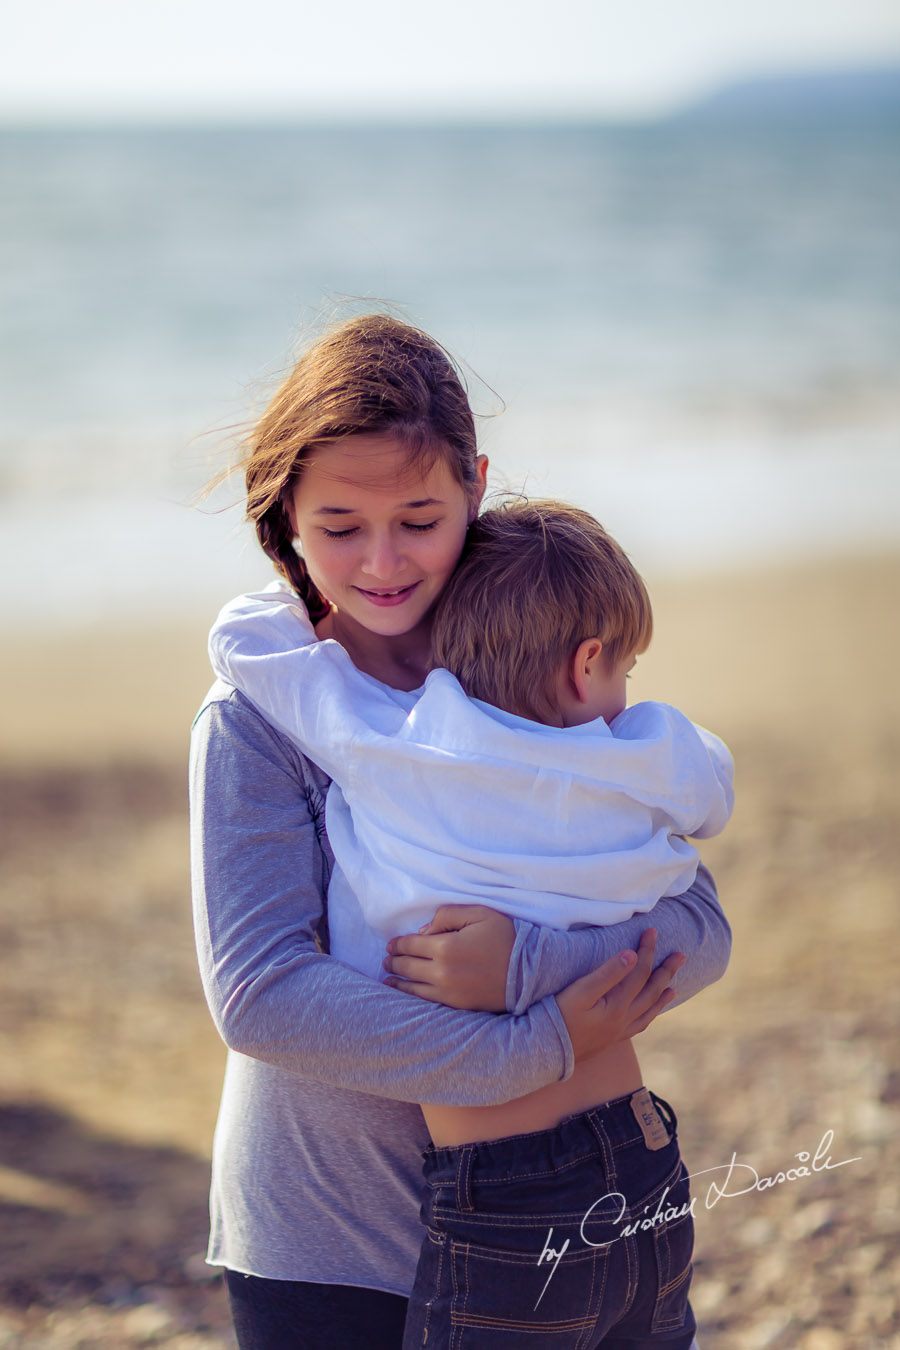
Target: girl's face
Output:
[{"x": 381, "y": 539}]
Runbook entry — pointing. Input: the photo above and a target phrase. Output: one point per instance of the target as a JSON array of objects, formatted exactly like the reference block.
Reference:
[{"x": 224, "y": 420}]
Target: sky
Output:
[{"x": 229, "y": 59}]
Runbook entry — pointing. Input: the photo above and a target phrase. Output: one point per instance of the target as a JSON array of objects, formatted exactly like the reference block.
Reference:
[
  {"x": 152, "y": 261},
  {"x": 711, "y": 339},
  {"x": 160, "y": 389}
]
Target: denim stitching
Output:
[
  {"x": 673, "y": 1284},
  {"x": 676, "y": 1318},
  {"x": 436, "y": 1287},
  {"x": 517, "y": 1260},
  {"x": 594, "y": 1305},
  {"x": 470, "y": 1159},
  {"x": 528, "y": 1173},
  {"x": 464, "y": 1180},
  {"x": 630, "y": 1243},
  {"x": 519, "y": 1324},
  {"x": 663, "y": 1246}
]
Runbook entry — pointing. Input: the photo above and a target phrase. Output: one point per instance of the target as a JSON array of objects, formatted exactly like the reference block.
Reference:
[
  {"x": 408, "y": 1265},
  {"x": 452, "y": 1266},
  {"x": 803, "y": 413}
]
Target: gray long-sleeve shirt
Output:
[{"x": 316, "y": 1165}]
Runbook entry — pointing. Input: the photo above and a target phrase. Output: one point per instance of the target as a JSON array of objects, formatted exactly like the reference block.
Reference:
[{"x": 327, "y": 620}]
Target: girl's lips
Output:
[{"x": 388, "y": 597}]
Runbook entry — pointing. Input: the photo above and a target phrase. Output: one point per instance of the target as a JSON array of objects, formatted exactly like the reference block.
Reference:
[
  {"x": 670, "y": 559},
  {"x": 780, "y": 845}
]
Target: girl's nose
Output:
[{"x": 383, "y": 559}]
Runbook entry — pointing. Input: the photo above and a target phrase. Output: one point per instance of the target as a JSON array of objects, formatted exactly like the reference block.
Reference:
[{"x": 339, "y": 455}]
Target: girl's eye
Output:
[{"x": 354, "y": 529}]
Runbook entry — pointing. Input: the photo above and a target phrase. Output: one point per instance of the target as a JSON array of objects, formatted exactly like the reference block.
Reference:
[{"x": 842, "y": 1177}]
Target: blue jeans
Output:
[{"x": 580, "y": 1236}]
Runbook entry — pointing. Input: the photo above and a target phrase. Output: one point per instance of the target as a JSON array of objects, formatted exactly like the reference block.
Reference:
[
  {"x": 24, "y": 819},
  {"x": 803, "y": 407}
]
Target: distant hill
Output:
[{"x": 808, "y": 96}]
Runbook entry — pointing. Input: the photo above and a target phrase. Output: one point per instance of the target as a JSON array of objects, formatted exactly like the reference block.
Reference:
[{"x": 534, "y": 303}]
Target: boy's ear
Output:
[
  {"x": 584, "y": 666},
  {"x": 477, "y": 489}
]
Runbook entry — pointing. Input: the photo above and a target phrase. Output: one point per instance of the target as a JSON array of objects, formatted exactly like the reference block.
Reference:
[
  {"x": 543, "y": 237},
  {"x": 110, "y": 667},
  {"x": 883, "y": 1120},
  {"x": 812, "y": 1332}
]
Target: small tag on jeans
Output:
[{"x": 651, "y": 1122}]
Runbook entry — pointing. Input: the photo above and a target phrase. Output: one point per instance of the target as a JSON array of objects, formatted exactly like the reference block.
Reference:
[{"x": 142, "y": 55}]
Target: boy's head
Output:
[{"x": 544, "y": 615}]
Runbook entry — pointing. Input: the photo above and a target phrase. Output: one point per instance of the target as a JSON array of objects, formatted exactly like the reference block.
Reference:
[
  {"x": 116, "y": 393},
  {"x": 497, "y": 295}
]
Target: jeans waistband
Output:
[{"x": 603, "y": 1130}]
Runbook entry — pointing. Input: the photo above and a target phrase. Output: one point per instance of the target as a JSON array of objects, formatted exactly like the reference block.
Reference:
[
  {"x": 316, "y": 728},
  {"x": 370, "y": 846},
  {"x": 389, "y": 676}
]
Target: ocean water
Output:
[{"x": 692, "y": 331}]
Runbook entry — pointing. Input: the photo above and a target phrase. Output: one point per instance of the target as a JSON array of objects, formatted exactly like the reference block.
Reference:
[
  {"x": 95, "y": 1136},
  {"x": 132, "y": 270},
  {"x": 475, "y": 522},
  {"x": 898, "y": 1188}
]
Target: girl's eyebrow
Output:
[{"x": 350, "y": 511}]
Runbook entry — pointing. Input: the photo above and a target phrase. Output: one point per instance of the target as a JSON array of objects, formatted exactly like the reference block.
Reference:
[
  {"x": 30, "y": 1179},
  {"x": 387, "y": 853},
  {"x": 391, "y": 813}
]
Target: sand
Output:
[{"x": 111, "y": 1069}]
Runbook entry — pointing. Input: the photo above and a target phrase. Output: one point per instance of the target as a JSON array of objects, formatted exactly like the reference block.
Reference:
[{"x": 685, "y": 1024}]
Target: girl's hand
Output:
[
  {"x": 618, "y": 999},
  {"x": 459, "y": 959}
]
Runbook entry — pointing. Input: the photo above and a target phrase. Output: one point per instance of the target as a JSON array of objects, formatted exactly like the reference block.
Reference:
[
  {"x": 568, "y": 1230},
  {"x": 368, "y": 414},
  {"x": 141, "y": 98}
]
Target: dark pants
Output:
[
  {"x": 566, "y": 1239},
  {"x": 293, "y": 1315}
]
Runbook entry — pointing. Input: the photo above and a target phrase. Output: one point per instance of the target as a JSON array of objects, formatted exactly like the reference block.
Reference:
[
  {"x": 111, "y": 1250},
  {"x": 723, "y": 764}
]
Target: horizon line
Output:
[{"x": 511, "y": 112}]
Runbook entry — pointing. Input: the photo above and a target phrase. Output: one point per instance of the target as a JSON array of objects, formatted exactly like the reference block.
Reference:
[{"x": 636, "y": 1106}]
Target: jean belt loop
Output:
[
  {"x": 596, "y": 1127},
  {"x": 595, "y": 1120},
  {"x": 464, "y": 1201},
  {"x": 666, "y": 1112}
]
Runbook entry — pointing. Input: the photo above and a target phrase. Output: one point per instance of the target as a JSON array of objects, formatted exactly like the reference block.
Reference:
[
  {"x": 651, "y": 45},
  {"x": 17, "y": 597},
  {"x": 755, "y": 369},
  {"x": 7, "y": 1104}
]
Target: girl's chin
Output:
[{"x": 386, "y": 620}]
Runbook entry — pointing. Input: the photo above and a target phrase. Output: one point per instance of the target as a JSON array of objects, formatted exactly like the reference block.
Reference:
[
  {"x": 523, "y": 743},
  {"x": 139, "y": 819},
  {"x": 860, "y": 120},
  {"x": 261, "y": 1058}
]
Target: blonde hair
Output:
[
  {"x": 536, "y": 579},
  {"x": 372, "y": 374}
]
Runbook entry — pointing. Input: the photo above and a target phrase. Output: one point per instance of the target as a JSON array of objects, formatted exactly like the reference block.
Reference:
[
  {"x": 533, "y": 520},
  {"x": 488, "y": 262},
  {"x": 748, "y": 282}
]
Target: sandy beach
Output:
[{"x": 111, "y": 1068}]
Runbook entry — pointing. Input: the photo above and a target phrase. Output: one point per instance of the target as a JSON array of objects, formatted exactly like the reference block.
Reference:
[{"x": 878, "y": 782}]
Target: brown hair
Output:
[
  {"x": 371, "y": 374},
  {"x": 536, "y": 579}
]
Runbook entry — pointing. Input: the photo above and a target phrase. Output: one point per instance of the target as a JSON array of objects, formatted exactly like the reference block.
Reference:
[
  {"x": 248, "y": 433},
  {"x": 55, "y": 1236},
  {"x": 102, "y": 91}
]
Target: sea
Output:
[{"x": 691, "y": 329}]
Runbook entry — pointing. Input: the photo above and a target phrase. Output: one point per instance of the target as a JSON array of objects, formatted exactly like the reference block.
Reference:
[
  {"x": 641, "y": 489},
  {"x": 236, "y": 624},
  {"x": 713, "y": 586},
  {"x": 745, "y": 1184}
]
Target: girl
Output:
[{"x": 368, "y": 453}]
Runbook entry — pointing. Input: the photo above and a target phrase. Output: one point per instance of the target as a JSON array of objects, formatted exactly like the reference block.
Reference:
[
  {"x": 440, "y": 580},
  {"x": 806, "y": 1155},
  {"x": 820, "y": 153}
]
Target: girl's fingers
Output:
[
  {"x": 641, "y": 968},
  {"x": 626, "y": 985},
  {"x": 657, "y": 983},
  {"x": 590, "y": 988},
  {"x": 643, "y": 987},
  {"x": 642, "y": 1023}
]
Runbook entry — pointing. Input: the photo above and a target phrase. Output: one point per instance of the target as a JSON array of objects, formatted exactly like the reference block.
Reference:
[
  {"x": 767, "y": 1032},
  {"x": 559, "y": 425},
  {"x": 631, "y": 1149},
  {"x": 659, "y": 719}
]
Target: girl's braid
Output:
[{"x": 277, "y": 539}]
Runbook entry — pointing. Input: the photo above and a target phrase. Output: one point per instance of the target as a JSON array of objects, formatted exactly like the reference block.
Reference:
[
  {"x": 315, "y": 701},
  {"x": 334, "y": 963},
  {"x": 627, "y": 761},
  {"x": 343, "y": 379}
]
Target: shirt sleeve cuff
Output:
[
  {"x": 516, "y": 968},
  {"x": 559, "y": 1023}
]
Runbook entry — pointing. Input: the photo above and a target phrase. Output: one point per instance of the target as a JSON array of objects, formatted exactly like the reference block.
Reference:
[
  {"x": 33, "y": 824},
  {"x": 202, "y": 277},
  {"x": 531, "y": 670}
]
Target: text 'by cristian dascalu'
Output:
[{"x": 740, "y": 1179}]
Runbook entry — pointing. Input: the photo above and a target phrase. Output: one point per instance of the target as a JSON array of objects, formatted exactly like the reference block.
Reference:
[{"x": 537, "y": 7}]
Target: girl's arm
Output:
[
  {"x": 483, "y": 960},
  {"x": 543, "y": 960},
  {"x": 474, "y": 957},
  {"x": 259, "y": 876}
]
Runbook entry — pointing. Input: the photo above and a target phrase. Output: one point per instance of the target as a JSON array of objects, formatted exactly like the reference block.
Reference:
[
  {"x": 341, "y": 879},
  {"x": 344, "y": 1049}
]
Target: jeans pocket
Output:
[
  {"x": 489, "y": 1298},
  {"x": 674, "y": 1246}
]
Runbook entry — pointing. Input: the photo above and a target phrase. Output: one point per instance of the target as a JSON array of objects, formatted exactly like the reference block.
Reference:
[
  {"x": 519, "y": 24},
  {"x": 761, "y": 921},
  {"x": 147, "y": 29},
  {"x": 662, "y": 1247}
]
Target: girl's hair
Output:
[
  {"x": 536, "y": 579},
  {"x": 371, "y": 374}
]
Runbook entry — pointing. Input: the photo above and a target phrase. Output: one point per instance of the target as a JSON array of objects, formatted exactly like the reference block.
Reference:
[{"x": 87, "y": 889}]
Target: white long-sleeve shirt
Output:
[{"x": 437, "y": 798}]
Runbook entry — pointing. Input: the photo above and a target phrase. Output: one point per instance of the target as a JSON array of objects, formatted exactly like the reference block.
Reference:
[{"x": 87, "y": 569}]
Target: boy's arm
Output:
[{"x": 264, "y": 645}]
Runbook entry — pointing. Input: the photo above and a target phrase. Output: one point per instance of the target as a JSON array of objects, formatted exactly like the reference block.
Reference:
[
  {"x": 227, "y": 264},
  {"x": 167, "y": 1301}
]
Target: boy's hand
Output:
[
  {"x": 459, "y": 959},
  {"x": 618, "y": 999}
]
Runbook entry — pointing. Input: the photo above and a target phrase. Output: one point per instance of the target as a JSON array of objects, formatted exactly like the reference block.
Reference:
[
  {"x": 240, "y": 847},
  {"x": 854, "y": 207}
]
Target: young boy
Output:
[
  {"x": 528, "y": 800},
  {"x": 515, "y": 778}
]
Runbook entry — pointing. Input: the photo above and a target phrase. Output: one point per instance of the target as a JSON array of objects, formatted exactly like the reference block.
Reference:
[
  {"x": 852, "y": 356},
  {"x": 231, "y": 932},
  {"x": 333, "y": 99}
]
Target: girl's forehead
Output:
[{"x": 379, "y": 465}]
